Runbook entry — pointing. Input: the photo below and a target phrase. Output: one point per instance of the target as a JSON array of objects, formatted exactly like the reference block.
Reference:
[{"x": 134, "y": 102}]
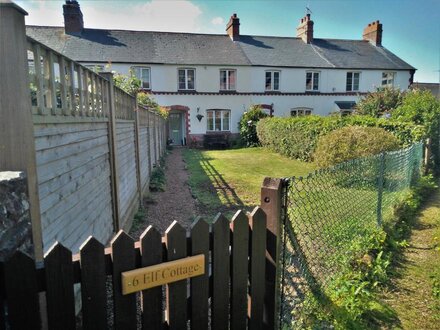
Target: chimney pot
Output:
[
  {"x": 373, "y": 33},
  {"x": 305, "y": 29},
  {"x": 233, "y": 28},
  {"x": 73, "y": 18}
]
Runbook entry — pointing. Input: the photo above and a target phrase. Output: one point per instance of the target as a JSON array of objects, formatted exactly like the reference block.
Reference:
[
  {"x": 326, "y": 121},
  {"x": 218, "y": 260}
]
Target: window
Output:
[
  {"x": 187, "y": 79},
  {"x": 388, "y": 79},
  {"x": 299, "y": 112},
  {"x": 218, "y": 120},
  {"x": 227, "y": 80},
  {"x": 312, "y": 81},
  {"x": 352, "y": 81},
  {"x": 143, "y": 74},
  {"x": 272, "y": 80}
]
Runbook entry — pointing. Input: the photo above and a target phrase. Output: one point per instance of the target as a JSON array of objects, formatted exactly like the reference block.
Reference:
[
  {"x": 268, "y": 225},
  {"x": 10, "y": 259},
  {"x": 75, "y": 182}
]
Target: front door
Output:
[{"x": 175, "y": 133}]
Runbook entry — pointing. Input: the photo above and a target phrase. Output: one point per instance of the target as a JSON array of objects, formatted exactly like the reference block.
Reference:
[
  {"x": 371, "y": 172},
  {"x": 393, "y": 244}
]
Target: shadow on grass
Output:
[{"x": 209, "y": 186}]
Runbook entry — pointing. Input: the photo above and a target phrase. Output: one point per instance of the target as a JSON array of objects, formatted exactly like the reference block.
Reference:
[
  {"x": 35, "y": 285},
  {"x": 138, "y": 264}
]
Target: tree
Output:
[
  {"x": 248, "y": 125},
  {"x": 384, "y": 99}
]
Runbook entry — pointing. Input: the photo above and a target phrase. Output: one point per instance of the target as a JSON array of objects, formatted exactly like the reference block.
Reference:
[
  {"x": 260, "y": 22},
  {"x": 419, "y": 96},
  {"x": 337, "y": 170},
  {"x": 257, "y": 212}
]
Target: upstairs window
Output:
[
  {"x": 218, "y": 120},
  {"x": 388, "y": 79},
  {"x": 143, "y": 74},
  {"x": 352, "y": 81},
  {"x": 312, "y": 81},
  {"x": 272, "y": 81},
  {"x": 299, "y": 112},
  {"x": 227, "y": 80},
  {"x": 187, "y": 79}
]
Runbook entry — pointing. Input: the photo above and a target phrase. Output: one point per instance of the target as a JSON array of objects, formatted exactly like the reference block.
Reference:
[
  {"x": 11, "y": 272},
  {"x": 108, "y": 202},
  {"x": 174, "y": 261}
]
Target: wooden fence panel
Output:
[
  {"x": 124, "y": 259},
  {"x": 239, "y": 270},
  {"x": 151, "y": 254},
  {"x": 93, "y": 287},
  {"x": 22, "y": 292},
  {"x": 176, "y": 301},
  {"x": 257, "y": 268},
  {"x": 200, "y": 284},
  {"x": 59, "y": 291},
  {"x": 220, "y": 274}
]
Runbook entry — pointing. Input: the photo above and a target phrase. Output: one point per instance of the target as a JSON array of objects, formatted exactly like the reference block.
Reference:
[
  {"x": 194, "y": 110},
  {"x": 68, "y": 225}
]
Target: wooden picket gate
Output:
[{"x": 229, "y": 295}]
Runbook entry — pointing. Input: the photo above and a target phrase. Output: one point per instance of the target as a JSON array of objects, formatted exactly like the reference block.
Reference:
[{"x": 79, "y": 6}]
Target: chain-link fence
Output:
[{"x": 328, "y": 215}]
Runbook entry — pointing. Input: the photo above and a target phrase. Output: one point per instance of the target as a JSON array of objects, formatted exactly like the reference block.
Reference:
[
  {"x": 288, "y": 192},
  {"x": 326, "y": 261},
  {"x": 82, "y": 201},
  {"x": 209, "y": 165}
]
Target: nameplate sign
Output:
[{"x": 167, "y": 272}]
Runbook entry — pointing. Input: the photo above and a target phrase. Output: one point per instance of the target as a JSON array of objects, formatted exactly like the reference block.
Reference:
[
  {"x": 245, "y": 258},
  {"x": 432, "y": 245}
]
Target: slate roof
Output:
[{"x": 120, "y": 46}]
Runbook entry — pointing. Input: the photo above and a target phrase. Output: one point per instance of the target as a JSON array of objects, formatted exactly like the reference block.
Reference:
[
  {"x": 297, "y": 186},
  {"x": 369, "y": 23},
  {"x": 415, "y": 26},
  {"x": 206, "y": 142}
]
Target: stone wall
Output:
[{"x": 15, "y": 222}]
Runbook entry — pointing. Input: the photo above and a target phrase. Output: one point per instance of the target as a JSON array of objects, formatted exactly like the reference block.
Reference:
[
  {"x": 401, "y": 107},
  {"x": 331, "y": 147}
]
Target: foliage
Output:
[
  {"x": 296, "y": 137},
  {"x": 132, "y": 85},
  {"x": 422, "y": 108},
  {"x": 351, "y": 300},
  {"x": 158, "y": 179},
  {"x": 248, "y": 123},
  {"x": 376, "y": 103},
  {"x": 353, "y": 142},
  {"x": 128, "y": 83}
]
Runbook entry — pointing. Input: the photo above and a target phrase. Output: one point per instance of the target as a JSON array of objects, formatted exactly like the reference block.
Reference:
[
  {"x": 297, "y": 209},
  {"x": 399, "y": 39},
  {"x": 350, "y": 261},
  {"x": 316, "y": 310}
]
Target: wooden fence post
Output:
[
  {"x": 138, "y": 151},
  {"x": 271, "y": 194},
  {"x": 17, "y": 147},
  {"x": 114, "y": 175}
]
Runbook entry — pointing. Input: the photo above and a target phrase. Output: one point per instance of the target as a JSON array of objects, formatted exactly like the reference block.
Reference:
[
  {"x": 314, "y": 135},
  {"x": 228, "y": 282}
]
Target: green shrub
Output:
[
  {"x": 422, "y": 108},
  {"x": 296, "y": 137},
  {"x": 377, "y": 102},
  {"x": 247, "y": 125},
  {"x": 353, "y": 142}
]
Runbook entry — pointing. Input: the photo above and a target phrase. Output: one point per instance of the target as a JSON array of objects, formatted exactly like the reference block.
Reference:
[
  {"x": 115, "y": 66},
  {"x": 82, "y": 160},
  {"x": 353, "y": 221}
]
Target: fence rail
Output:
[
  {"x": 233, "y": 282},
  {"x": 329, "y": 216}
]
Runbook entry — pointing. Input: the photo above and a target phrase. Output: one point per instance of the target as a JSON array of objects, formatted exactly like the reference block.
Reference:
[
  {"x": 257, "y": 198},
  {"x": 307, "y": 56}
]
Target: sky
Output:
[{"x": 411, "y": 28}]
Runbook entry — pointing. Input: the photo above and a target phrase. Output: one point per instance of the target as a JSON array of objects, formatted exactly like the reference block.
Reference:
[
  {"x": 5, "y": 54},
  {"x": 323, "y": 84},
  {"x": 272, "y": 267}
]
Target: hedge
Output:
[{"x": 296, "y": 137}]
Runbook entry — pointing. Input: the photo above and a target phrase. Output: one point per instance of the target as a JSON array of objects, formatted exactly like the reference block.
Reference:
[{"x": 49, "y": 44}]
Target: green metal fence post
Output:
[{"x": 380, "y": 188}]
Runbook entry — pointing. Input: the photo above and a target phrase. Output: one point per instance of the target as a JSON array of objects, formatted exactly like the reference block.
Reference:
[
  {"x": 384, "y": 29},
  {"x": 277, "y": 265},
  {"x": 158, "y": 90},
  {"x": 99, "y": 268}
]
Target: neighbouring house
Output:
[
  {"x": 434, "y": 88},
  {"x": 207, "y": 81}
]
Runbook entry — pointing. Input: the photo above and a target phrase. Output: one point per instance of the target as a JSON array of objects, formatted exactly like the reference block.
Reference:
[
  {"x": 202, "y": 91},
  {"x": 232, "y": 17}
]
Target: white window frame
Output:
[
  {"x": 272, "y": 80},
  {"x": 301, "y": 111},
  {"x": 352, "y": 73},
  {"x": 221, "y": 128},
  {"x": 314, "y": 73},
  {"x": 186, "y": 79},
  {"x": 228, "y": 82},
  {"x": 387, "y": 81},
  {"x": 137, "y": 71}
]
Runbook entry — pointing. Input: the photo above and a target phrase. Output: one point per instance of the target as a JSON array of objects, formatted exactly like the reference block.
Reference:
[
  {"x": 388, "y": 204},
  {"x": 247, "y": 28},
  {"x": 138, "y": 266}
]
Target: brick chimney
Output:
[
  {"x": 233, "y": 28},
  {"x": 373, "y": 33},
  {"x": 305, "y": 29},
  {"x": 73, "y": 18}
]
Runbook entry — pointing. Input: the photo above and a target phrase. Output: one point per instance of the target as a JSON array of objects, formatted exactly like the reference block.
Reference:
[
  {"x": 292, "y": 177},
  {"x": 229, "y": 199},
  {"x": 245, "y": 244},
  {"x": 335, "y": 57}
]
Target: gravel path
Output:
[{"x": 175, "y": 203}]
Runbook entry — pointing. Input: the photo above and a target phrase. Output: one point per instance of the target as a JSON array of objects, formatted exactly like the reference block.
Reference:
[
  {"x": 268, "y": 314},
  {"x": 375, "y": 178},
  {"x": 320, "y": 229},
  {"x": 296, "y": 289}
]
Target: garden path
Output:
[
  {"x": 175, "y": 203},
  {"x": 416, "y": 290}
]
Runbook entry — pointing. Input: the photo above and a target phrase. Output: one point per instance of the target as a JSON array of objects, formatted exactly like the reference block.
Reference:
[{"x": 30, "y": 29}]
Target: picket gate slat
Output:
[
  {"x": 239, "y": 270},
  {"x": 220, "y": 274},
  {"x": 200, "y": 284},
  {"x": 257, "y": 268},
  {"x": 176, "y": 300},
  {"x": 124, "y": 259},
  {"x": 93, "y": 288},
  {"x": 151, "y": 254},
  {"x": 59, "y": 292},
  {"x": 234, "y": 264},
  {"x": 22, "y": 292}
]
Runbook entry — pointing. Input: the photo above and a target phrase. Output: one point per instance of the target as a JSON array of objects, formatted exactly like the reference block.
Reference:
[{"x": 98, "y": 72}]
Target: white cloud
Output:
[
  {"x": 155, "y": 15},
  {"x": 218, "y": 21}
]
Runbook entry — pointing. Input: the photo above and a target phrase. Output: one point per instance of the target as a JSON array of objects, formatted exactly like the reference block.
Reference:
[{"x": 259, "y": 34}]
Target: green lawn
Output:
[{"x": 225, "y": 180}]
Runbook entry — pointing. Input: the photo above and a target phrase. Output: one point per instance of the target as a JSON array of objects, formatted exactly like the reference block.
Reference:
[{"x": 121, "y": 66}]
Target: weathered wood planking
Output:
[
  {"x": 74, "y": 182},
  {"x": 144, "y": 157},
  {"x": 127, "y": 166}
]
